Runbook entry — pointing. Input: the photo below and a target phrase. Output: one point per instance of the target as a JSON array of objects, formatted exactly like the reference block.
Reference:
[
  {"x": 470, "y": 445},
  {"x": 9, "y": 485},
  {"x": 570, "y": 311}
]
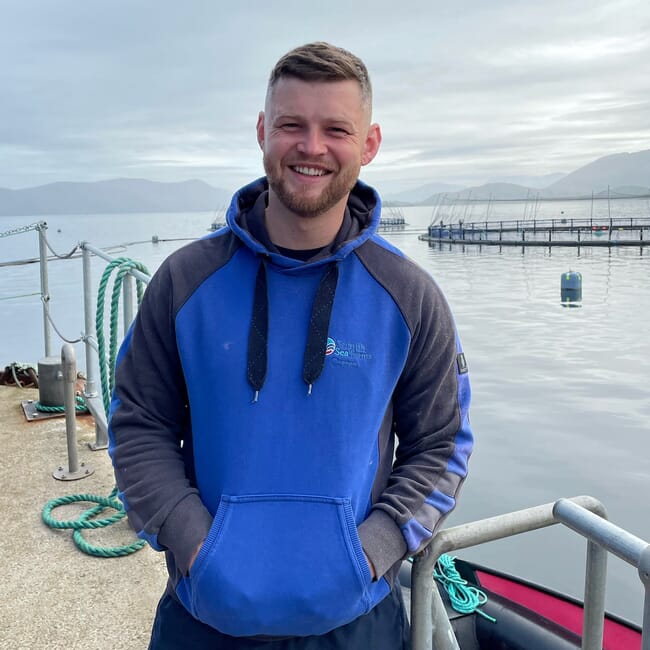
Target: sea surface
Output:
[{"x": 561, "y": 395}]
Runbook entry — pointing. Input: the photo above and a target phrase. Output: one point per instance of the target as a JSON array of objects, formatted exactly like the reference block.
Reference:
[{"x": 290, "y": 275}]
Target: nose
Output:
[{"x": 312, "y": 142}]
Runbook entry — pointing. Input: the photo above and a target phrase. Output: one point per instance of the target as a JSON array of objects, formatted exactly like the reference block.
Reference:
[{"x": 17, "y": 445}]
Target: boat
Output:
[
  {"x": 516, "y": 614},
  {"x": 511, "y": 613}
]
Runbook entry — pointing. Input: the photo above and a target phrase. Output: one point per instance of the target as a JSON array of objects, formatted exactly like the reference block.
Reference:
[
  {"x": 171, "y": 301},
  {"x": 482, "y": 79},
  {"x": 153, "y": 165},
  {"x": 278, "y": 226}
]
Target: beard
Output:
[{"x": 310, "y": 206}]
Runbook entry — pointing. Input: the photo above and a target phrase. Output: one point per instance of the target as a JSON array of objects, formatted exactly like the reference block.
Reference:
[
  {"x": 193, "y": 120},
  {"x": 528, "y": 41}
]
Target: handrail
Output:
[
  {"x": 84, "y": 245},
  {"x": 611, "y": 538},
  {"x": 430, "y": 626}
]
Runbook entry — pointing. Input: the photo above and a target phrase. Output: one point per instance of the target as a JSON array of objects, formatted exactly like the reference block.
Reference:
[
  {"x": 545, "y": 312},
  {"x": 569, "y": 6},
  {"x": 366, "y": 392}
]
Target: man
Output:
[{"x": 259, "y": 394}]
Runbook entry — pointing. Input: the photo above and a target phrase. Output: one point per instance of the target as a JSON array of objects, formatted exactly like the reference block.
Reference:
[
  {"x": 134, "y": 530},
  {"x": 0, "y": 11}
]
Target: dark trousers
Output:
[{"x": 383, "y": 628}]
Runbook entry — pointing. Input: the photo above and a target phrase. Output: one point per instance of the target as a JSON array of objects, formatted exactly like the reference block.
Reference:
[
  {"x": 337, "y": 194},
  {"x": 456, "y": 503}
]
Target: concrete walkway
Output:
[{"x": 52, "y": 595}]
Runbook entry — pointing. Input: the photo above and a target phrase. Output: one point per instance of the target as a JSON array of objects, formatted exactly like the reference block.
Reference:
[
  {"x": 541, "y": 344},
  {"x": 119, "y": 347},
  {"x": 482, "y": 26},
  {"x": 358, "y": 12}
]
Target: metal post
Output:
[
  {"x": 644, "y": 574},
  {"x": 89, "y": 327},
  {"x": 421, "y": 595},
  {"x": 127, "y": 301},
  {"x": 91, "y": 391},
  {"x": 429, "y": 619},
  {"x": 45, "y": 289},
  {"x": 594, "y": 598},
  {"x": 69, "y": 368}
]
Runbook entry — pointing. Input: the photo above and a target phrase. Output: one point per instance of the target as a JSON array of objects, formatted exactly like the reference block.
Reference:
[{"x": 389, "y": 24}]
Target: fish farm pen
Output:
[
  {"x": 392, "y": 219},
  {"x": 611, "y": 232}
]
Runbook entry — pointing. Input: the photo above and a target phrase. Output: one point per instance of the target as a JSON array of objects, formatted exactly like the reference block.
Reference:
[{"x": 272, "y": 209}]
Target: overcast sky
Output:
[{"x": 464, "y": 91}]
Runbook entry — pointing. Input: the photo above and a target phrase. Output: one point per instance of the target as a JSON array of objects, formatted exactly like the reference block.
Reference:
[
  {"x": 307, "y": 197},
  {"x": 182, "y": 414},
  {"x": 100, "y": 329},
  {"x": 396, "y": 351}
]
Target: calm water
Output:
[{"x": 561, "y": 396}]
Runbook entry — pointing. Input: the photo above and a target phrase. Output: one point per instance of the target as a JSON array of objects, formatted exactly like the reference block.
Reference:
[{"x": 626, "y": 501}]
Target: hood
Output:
[{"x": 245, "y": 217}]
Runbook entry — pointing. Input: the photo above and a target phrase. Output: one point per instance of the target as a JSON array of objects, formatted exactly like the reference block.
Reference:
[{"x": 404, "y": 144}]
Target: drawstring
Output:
[
  {"x": 319, "y": 325},
  {"x": 258, "y": 334},
  {"x": 314, "y": 359}
]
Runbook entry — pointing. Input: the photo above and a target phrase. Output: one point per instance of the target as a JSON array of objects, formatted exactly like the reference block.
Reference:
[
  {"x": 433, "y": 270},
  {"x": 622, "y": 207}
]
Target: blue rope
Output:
[{"x": 465, "y": 598}]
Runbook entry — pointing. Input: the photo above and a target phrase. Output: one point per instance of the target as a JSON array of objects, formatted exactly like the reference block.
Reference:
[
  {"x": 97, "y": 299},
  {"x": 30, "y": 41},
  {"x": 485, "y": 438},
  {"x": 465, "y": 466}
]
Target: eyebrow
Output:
[{"x": 340, "y": 121}]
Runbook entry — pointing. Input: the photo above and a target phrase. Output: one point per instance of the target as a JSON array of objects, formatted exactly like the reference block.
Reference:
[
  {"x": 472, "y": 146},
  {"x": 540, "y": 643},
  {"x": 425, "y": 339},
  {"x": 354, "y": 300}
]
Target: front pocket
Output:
[{"x": 280, "y": 565}]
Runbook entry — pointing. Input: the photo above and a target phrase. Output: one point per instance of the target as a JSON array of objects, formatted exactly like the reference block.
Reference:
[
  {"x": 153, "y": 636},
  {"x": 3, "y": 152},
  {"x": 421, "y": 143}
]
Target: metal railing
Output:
[
  {"x": 430, "y": 625},
  {"x": 92, "y": 389}
]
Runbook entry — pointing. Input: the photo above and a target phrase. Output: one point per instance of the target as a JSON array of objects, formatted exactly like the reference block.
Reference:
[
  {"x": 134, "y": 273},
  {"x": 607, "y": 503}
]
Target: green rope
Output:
[
  {"x": 107, "y": 363},
  {"x": 87, "y": 519},
  {"x": 464, "y": 597},
  {"x": 79, "y": 407}
]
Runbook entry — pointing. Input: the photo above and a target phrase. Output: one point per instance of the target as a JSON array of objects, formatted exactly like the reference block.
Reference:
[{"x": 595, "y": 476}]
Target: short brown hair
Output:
[{"x": 320, "y": 61}]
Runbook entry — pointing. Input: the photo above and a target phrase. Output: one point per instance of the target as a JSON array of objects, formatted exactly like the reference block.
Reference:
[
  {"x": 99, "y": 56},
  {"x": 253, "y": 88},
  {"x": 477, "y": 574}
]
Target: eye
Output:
[
  {"x": 339, "y": 130},
  {"x": 289, "y": 126}
]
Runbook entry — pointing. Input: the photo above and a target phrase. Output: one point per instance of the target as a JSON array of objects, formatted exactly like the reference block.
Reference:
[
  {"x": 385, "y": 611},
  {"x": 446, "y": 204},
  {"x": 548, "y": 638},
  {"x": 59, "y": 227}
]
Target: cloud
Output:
[{"x": 463, "y": 92}]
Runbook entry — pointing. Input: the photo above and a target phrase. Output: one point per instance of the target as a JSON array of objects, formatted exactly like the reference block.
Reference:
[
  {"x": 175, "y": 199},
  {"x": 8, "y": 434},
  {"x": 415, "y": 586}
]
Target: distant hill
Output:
[
  {"x": 615, "y": 170},
  {"x": 626, "y": 174},
  {"x": 537, "y": 182},
  {"x": 625, "y": 190},
  {"x": 119, "y": 195},
  {"x": 421, "y": 193},
  {"x": 487, "y": 191}
]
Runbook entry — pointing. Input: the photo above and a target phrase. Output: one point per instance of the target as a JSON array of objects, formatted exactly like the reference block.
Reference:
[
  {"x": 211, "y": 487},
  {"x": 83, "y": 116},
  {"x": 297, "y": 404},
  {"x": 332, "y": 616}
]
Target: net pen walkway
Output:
[{"x": 621, "y": 231}]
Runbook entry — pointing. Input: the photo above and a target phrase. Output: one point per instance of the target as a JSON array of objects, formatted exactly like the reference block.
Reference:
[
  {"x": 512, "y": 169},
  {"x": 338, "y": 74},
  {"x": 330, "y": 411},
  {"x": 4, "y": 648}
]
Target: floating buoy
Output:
[
  {"x": 571, "y": 287},
  {"x": 155, "y": 239}
]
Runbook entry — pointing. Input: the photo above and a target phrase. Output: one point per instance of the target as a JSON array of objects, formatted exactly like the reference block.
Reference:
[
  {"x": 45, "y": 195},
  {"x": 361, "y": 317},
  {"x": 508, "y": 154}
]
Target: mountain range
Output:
[
  {"x": 616, "y": 174},
  {"x": 621, "y": 173},
  {"x": 118, "y": 195}
]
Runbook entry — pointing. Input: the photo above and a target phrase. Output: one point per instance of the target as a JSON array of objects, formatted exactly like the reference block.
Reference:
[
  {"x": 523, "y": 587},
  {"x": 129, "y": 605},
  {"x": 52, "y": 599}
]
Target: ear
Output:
[
  {"x": 260, "y": 130},
  {"x": 371, "y": 144}
]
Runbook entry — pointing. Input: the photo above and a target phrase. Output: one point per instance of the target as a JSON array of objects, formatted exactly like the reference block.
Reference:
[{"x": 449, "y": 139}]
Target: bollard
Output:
[
  {"x": 74, "y": 470},
  {"x": 50, "y": 381}
]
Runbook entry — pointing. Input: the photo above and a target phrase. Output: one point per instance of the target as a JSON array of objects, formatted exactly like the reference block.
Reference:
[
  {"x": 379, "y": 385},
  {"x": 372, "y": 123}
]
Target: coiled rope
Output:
[
  {"x": 79, "y": 407},
  {"x": 87, "y": 519},
  {"x": 107, "y": 364},
  {"x": 464, "y": 598}
]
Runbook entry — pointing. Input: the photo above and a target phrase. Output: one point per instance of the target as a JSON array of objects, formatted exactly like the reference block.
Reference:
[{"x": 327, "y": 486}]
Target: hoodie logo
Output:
[{"x": 347, "y": 354}]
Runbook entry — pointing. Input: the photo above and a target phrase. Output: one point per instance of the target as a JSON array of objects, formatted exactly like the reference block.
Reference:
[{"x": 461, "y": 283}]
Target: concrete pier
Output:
[{"x": 53, "y": 595}]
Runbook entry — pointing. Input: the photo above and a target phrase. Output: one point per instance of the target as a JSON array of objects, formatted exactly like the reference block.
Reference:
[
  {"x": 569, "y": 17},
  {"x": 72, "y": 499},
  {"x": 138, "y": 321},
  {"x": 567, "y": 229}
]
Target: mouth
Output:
[{"x": 306, "y": 170}]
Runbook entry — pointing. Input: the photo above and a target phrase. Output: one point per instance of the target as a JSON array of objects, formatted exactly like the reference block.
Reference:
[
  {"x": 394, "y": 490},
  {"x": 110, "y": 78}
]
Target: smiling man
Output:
[
  {"x": 290, "y": 418},
  {"x": 315, "y": 137}
]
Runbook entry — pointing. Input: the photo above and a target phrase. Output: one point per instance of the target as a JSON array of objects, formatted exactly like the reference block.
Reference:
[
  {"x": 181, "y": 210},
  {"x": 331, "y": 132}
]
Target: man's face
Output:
[{"x": 315, "y": 137}]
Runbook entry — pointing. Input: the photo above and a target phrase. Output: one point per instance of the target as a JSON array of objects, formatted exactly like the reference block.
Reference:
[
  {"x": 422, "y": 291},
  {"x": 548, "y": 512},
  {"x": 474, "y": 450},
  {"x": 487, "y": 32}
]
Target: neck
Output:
[{"x": 290, "y": 230}]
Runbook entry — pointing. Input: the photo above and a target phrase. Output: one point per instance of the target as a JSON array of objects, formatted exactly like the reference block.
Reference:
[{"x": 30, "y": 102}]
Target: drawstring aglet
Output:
[
  {"x": 255, "y": 396},
  {"x": 309, "y": 389}
]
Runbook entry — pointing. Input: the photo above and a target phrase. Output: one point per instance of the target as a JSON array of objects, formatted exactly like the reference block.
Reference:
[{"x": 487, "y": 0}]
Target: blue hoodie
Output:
[{"x": 257, "y": 405}]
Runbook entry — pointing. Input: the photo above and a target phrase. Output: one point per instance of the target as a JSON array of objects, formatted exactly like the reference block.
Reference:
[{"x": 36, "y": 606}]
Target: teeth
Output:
[{"x": 310, "y": 171}]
